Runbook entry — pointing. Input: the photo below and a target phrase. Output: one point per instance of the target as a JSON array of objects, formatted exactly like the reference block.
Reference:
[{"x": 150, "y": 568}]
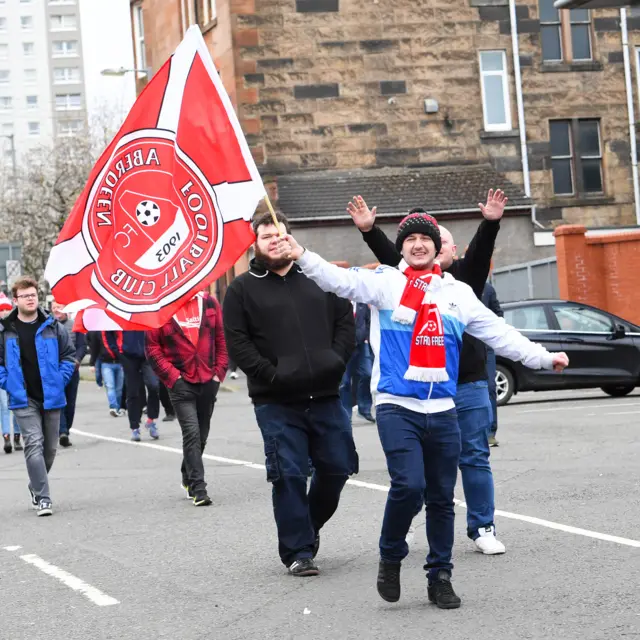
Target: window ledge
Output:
[
  {"x": 499, "y": 135},
  {"x": 210, "y": 25},
  {"x": 581, "y": 200},
  {"x": 569, "y": 67}
]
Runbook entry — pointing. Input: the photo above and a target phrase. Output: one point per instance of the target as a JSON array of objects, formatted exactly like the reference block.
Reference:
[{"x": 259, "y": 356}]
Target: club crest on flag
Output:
[{"x": 167, "y": 208}]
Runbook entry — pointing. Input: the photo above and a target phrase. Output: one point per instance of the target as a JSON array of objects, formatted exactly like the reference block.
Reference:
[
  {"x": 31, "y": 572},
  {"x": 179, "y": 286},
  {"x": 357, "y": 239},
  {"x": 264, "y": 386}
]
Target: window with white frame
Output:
[
  {"x": 28, "y": 49},
  {"x": 69, "y": 127},
  {"x": 26, "y": 23},
  {"x": 32, "y": 102},
  {"x": 7, "y": 128},
  {"x": 66, "y": 75},
  {"x": 138, "y": 34},
  {"x": 68, "y": 101},
  {"x": 494, "y": 84},
  {"x": 3, "y": 24},
  {"x": 5, "y": 103},
  {"x": 25, "y": 1},
  {"x": 34, "y": 128},
  {"x": 187, "y": 13},
  {"x": 207, "y": 10},
  {"x": 4, "y": 76},
  {"x": 30, "y": 76},
  {"x": 55, "y": 2},
  {"x": 63, "y": 23},
  {"x": 65, "y": 48},
  {"x": 4, "y": 51}
]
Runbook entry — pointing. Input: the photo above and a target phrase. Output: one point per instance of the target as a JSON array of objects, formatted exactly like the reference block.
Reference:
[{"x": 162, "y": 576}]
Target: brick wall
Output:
[{"x": 600, "y": 270}]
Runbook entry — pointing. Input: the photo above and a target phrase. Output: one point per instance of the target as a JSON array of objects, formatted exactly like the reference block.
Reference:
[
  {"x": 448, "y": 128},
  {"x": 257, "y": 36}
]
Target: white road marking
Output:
[
  {"x": 383, "y": 488},
  {"x": 13, "y": 548},
  {"x": 95, "y": 595},
  {"x": 623, "y": 413},
  {"x": 609, "y": 405}
]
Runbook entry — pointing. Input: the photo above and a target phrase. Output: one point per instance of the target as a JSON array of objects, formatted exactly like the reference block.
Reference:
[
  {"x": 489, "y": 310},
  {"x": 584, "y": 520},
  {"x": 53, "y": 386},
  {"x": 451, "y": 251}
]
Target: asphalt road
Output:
[{"x": 125, "y": 556}]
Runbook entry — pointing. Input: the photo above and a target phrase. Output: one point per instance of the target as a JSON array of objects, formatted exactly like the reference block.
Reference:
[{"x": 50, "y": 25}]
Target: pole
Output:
[{"x": 272, "y": 212}]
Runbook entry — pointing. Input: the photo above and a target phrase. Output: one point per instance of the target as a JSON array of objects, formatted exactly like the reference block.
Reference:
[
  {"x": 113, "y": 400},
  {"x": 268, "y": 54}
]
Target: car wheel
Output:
[
  {"x": 505, "y": 385},
  {"x": 619, "y": 390}
]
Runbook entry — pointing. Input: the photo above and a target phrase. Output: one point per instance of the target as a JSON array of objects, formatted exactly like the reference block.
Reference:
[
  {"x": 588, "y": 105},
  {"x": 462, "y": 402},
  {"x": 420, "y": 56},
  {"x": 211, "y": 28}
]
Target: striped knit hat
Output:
[{"x": 419, "y": 221}]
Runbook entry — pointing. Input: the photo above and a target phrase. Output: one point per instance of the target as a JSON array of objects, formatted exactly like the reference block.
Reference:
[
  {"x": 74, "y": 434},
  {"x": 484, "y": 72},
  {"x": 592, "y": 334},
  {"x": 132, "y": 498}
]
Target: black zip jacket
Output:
[
  {"x": 290, "y": 338},
  {"x": 473, "y": 269}
]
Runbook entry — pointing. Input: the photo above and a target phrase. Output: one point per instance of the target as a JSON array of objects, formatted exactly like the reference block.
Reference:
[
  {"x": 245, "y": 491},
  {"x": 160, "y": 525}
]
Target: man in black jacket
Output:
[
  {"x": 293, "y": 341},
  {"x": 490, "y": 300},
  {"x": 473, "y": 404}
]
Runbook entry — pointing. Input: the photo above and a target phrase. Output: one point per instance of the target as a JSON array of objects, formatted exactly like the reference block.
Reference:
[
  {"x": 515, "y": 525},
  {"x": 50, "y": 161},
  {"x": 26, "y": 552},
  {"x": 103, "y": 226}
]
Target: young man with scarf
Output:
[
  {"x": 418, "y": 318},
  {"x": 473, "y": 400},
  {"x": 189, "y": 356}
]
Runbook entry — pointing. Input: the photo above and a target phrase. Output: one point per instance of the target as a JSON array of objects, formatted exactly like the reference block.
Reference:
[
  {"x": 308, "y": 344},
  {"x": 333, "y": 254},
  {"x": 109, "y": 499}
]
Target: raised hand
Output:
[
  {"x": 494, "y": 208},
  {"x": 560, "y": 361},
  {"x": 289, "y": 248},
  {"x": 363, "y": 217}
]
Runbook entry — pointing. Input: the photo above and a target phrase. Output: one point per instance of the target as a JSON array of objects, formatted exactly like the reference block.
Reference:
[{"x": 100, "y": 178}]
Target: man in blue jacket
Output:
[{"x": 36, "y": 364}]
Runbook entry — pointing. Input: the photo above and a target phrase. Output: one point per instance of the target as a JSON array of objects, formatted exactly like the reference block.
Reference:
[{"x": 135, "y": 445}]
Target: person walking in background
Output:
[
  {"x": 79, "y": 344},
  {"x": 189, "y": 356},
  {"x": 359, "y": 367},
  {"x": 5, "y": 415},
  {"x": 128, "y": 347},
  {"x": 490, "y": 300},
  {"x": 36, "y": 363},
  {"x": 111, "y": 373},
  {"x": 165, "y": 401}
]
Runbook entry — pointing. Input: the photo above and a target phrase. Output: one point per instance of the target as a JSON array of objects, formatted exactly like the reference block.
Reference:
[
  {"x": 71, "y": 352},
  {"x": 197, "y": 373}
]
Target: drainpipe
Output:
[
  {"x": 521, "y": 125},
  {"x": 632, "y": 126}
]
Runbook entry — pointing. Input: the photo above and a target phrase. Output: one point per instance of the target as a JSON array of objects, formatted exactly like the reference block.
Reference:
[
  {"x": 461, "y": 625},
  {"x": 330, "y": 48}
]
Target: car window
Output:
[
  {"x": 527, "y": 318},
  {"x": 572, "y": 318}
]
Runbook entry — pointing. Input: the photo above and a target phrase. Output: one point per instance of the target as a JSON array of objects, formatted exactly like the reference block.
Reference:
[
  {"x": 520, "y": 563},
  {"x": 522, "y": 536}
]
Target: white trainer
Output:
[{"x": 487, "y": 543}]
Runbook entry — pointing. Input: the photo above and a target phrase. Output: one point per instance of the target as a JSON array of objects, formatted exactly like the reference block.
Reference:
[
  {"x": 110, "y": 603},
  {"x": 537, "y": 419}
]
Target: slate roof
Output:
[{"x": 394, "y": 190}]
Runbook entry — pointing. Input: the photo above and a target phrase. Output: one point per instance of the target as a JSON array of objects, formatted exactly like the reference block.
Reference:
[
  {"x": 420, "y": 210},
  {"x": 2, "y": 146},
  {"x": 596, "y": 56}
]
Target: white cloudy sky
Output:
[{"x": 106, "y": 39}]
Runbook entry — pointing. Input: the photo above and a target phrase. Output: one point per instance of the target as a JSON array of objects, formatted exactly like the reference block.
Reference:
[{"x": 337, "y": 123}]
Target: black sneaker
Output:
[
  {"x": 169, "y": 418},
  {"x": 64, "y": 440},
  {"x": 316, "y": 545},
  {"x": 303, "y": 567},
  {"x": 201, "y": 499},
  {"x": 17, "y": 444},
  {"x": 367, "y": 416},
  {"x": 34, "y": 497},
  {"x": 389, "y": 581},
  {"x": 7, "y": 444},
  {"x": 441, "y": 592},
  {"x": 45, "y": 508}
]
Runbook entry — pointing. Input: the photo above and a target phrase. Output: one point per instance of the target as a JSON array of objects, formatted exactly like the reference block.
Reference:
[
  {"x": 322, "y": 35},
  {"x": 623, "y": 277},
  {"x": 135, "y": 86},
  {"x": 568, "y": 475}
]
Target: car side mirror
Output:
[{"x": 619, "y": 332}]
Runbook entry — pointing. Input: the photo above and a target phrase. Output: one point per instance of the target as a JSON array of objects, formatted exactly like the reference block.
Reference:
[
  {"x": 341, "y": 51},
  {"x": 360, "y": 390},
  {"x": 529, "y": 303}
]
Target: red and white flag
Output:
[{"x": 167, "y": 208}]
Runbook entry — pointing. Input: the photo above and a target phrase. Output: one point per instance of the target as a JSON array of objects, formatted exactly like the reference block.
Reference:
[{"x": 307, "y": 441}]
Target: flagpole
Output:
[{"x": 271, "y": 210}]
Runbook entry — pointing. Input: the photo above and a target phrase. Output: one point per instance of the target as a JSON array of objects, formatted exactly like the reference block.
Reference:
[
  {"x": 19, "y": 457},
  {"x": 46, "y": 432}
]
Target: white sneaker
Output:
[
  {"x": 233, "y": 375},
  {"x": 487, "y": 543}
]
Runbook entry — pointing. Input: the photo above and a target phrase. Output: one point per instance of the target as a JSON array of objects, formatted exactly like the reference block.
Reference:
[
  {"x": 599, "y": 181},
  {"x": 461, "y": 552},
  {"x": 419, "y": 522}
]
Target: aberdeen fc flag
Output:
[{"x": 166, "y": 209}]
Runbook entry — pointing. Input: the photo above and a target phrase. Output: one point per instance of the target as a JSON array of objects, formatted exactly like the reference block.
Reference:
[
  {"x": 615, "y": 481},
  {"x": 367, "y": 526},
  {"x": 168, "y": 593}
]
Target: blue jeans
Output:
[
  {"x": 491, "y": 378},
  {"x": 359, "y": 365},
  {"x": 5, "y": 416},
  {"x": 293, "y": 433},
  {"x": 422, "y": 452},
  {"x": 474, "y": 416},
  {"x": 113, "y": 378},
  {"x": 69, "y": 411}
]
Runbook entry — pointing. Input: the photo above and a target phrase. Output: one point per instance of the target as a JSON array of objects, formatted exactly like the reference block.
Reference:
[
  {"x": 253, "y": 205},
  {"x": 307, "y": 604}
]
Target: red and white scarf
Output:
[
  {"x": 189, "y": 318},
  {"x": 427, "y": 357}
]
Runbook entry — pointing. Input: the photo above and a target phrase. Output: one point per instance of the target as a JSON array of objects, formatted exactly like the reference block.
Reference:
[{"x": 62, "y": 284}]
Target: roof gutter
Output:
[{"x": 404, "y": 213}]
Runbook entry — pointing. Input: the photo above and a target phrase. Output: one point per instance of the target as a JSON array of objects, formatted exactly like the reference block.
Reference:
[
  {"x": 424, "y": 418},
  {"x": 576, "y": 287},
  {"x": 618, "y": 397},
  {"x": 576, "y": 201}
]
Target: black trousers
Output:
[
  {"x": 193, "y": 404},
  {"x": 138, "y": 374},
  {"x": 165, "y": 400}
]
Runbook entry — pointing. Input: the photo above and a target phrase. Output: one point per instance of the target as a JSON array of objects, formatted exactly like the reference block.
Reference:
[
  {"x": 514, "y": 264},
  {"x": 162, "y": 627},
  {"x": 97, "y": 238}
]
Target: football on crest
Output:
[{"x": 148, "y": 213}]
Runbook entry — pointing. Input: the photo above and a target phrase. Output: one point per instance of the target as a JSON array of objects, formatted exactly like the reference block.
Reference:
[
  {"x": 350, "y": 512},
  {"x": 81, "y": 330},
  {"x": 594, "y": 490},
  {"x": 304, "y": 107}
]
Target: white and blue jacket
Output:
[{"x": 391, "y": 341}]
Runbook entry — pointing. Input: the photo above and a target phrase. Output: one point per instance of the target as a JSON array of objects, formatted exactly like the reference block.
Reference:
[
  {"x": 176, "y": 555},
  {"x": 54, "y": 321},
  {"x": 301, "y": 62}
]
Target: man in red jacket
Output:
[{"x": 189, "y": 355}]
